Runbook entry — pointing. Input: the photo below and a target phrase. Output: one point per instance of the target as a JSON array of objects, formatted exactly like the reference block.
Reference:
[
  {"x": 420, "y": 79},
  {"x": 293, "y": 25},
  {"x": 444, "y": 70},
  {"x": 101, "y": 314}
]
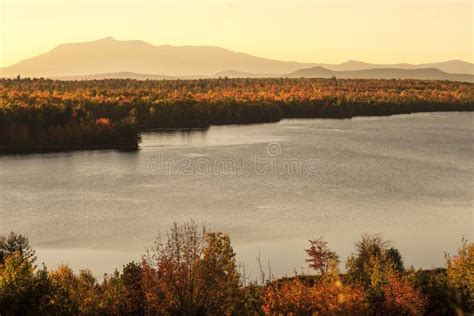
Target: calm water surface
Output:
[{"x": 270, "y": 186}]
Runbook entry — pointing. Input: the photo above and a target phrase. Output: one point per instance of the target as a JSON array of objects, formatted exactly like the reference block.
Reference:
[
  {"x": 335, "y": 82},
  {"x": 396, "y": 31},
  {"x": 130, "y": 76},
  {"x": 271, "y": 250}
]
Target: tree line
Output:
[
  {"x": 48, "y": 114},
  {"x": 194, "y": 272}
]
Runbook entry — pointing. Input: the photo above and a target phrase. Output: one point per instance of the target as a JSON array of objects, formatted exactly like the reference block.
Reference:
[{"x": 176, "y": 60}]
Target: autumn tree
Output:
[
  {"x": 193, "y": 272},
  {"x": 134, "y": 297},
  {"x": 370, "y": 251},
  {"x": 13, "y": 243},
  {"x": 24, "y": 289},
  {"x": 460, "y": 272},
  {"x": 321, "y": 258},
  {"x": 122, "y": 293},
  {"x": 218, "y": 275},
  {"x": 371, "y": 264},
  {"x": 16, "y": 284},
  {"x": 81, "y": 292},
  {"x": 393, "y": 258},
  {"x": 327, "y": 297},
  {"x": 401, "y": 298}
]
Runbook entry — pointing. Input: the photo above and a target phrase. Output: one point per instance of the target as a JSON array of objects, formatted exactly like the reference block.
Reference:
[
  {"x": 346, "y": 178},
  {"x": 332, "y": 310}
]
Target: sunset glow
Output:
[{"x": 307, "y": 31}]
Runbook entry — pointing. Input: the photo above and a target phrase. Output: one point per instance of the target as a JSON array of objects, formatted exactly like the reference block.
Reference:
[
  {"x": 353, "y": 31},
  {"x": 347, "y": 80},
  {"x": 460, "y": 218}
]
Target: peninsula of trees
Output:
[{"x": 47, "y": 115}]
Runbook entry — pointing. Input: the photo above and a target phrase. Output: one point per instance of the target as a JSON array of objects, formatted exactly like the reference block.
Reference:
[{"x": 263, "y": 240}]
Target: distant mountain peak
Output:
[
  {"x": 109, "y": 55},
  {"x": 319, "y": 68},
  {"x": 107, "y": 39},
  {"x": 353, "y": 62}
]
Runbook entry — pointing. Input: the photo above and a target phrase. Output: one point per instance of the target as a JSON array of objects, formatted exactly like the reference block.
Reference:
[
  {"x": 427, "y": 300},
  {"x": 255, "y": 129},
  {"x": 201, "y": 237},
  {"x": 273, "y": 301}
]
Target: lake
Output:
[{"x": 270, "y": 186}]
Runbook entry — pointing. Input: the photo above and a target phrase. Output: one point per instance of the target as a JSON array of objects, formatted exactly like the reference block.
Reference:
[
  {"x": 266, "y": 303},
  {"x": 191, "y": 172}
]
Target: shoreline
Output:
[
  {"x": 19, "y": 150},
  {"x": 57, "y": 149}
]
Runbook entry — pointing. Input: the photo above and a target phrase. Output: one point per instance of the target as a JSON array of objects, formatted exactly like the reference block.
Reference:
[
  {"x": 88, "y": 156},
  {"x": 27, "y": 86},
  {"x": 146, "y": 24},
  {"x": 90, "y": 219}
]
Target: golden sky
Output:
[{"x": 332, "y": 31}]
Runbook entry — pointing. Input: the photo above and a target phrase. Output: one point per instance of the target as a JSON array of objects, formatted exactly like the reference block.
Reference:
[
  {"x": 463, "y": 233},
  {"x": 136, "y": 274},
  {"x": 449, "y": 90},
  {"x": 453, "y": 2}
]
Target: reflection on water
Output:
[{"x": 409, "y": 176}]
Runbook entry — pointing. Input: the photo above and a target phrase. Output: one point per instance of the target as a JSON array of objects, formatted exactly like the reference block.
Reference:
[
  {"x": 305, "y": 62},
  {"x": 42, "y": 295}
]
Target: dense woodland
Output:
[
  {"x": 194, "y": 272},
  {"x": 41, "y": 114}
]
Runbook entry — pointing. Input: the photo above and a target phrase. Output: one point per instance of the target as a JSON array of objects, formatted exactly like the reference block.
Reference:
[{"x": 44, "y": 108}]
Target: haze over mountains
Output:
[
  {"x": 111, "y": 58},
  {"x": 451, "y": 66},
  {"x": 381, "y": 73}
]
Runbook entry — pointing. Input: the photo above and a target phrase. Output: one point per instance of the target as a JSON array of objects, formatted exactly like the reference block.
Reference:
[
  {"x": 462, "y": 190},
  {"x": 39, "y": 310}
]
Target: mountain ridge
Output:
[
  {"x": 108, "y": 56},
  {"x": 382, "y": 73},
  {"x": 454, "y": 66},
  {"x": 313, "y": 72}
]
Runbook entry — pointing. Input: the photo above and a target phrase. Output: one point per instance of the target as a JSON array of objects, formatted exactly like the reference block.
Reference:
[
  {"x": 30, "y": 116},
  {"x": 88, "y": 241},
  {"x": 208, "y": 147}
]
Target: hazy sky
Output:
[{"x": 379, "y": 31}]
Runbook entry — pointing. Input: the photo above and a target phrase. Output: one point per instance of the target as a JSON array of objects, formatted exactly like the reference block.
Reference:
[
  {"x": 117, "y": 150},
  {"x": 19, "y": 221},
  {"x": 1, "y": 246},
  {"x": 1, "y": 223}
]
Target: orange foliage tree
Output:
[
  {"x": 294, "y": 297},
  {"x": 401, "y": 298},
  {"x": 191, "y": 273}
]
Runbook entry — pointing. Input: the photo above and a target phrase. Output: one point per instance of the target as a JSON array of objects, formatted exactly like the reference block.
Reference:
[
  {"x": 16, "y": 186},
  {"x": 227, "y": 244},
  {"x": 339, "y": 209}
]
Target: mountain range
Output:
[
  {"x": 111, "y": 58},
  {"x": 381, "y": 73}
]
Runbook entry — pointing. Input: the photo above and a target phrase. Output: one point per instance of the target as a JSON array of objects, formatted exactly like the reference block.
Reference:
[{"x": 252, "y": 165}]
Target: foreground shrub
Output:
[
  {"x": 401, "y": 298},
  {"x": 193, "y": 272},
  {"x": 251, "y": 300},
  {"x": 293, "y": 297}
]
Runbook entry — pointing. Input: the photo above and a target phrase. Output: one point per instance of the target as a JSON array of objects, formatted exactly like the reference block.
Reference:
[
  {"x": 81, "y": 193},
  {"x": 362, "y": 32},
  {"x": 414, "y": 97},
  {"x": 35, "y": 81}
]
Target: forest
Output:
[
  {"x": 192, "y": 271},
  {"x": 50, "y": 115}
]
